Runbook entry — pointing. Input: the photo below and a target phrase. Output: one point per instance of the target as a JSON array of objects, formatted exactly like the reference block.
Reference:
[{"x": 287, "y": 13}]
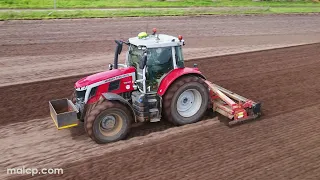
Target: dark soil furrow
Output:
[
  {"x": 284, "y": 144},
  {"x": 24, "y": 96}
]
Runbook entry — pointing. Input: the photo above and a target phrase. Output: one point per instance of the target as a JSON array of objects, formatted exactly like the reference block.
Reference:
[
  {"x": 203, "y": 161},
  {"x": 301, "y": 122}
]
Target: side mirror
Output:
[
  {"x": 119, "y": 47},
  {"x": 117, "y": 52},
  {"x": 143, "y": 61}
]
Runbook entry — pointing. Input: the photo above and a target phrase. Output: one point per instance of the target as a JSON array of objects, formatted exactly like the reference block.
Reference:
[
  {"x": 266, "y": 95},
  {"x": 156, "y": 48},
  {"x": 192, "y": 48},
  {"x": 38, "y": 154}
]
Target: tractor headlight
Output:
[{"x": 80, "y": 94}]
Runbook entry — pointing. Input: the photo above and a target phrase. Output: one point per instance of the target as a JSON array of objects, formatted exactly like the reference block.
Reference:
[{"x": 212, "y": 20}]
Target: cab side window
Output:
[{"x": 179, "y": 57}]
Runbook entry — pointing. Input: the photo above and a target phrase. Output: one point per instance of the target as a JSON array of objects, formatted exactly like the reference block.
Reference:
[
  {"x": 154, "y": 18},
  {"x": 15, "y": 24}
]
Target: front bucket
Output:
[{"x": 63, "y": 113}]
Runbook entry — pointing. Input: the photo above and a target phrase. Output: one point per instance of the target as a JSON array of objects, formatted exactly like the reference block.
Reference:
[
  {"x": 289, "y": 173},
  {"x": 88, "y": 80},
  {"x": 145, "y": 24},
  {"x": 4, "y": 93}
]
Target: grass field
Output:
[
  {"x": 149, "y": 3},
  {"x": 46, "y": 14},
  {"x": 132, "y": 8}
]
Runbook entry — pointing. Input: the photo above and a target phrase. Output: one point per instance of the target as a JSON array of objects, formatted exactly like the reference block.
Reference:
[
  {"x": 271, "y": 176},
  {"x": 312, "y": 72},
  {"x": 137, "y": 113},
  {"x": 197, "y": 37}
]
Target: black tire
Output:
[
  {"x": 73, "y": 97},
  {"x": 102, "y": 112},
  {"x": 171, "y": 97}
]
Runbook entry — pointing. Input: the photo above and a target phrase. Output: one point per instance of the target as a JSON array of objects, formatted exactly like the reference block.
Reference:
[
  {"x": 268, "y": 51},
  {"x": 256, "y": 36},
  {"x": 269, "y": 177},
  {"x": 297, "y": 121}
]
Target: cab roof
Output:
[{"x": 155, "y": 41}]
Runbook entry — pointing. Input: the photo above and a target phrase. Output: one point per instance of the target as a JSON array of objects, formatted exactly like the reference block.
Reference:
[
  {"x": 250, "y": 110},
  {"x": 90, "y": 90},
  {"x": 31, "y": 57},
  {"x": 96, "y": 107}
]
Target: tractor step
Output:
[{"x": 146, "y": 106}]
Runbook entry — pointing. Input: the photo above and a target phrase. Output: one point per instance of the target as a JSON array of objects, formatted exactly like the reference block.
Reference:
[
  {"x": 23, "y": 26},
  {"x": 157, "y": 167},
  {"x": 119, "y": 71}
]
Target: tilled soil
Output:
[
  {"x": 30, "y": 100},
  {"x": 284, "y": 144},
  {"x": 231, "y": 71},
  {"x": 280, "y": 147},
  {"x": 37, "y": 50}
]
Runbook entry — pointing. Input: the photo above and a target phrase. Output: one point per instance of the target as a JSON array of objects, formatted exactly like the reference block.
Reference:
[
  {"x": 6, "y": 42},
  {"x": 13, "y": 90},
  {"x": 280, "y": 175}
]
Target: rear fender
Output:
[
  {"x": 174, "y": 75},
  {"x": 116, "y": 97}
]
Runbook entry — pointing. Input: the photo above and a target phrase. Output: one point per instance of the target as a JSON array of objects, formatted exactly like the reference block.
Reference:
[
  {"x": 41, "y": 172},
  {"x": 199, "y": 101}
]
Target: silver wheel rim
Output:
[
  {"x": 189, "y": 103},
  {"x": 110, "y": 125}
]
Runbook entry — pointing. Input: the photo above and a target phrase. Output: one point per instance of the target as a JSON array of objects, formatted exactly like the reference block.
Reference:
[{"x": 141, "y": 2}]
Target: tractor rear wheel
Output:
[
  {"x": 108, "y": 121},
  {"x": 186, "y": 100}
]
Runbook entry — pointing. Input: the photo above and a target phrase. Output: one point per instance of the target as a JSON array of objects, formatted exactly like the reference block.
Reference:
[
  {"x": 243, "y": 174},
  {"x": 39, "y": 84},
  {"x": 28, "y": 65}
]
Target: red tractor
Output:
[{"x": 152, "y": 85}]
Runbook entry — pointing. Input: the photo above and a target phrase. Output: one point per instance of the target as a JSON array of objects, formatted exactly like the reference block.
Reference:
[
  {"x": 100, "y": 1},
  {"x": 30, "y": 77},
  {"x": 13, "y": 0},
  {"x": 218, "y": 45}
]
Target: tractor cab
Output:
[{"x": 153, "y": 56}]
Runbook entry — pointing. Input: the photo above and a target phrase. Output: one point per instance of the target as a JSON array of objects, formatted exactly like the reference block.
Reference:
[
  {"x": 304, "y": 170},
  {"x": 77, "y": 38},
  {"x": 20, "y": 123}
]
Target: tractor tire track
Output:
[{"x": 284, "y": 144}]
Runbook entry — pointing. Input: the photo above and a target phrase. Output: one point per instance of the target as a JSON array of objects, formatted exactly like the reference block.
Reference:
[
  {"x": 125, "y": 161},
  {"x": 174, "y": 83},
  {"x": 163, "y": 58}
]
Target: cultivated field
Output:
[{"x": 284, "y": 144}]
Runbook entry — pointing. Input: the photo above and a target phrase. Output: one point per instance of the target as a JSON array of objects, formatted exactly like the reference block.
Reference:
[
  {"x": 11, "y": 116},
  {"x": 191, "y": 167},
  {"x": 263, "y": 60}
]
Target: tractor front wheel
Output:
[
  {"x": 73, "y": 97},
  {"x": 186, "y": 101},
  {"x": 108, "y": 121}
]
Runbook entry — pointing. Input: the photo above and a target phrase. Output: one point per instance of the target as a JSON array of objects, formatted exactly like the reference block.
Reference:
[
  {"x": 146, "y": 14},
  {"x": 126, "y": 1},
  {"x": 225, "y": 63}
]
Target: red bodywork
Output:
[
  {"x": 173, "y": 75},
  {"x": 126, "y": 83},
  {"x": 103, "y": 80}
]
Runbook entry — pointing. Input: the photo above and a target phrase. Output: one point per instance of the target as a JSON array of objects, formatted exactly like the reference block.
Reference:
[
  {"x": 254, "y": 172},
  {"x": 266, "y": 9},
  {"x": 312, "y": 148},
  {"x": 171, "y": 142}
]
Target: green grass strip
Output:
[
  {"x": 151, "y": 3},
  {"x": 47, "y": 14}
]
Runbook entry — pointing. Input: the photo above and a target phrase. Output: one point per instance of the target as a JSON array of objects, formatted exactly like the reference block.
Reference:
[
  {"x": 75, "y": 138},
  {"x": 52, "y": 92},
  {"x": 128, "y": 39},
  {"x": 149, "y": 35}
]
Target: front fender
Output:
[
  {"x": 115, "y": 97},
  {"x": 175, "y": 74}
]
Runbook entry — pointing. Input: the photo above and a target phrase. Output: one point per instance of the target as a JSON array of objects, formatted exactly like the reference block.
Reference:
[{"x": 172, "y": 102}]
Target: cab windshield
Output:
[
  {"x": 156, "y": 57},
  {"x": 159, "y": 62}
]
